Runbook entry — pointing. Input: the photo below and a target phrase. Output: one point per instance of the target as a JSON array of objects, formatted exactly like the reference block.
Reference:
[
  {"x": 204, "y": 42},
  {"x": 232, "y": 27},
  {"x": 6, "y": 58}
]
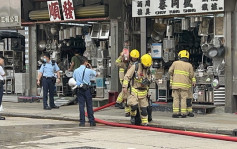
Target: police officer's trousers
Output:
[
  {"x": 48, "y": 87},
  {"x": 1, "y": 92},
  {"x": 84, "y": 96},
  {"x": 180, "y": 101},
  {"x": 138, "y": 99}
]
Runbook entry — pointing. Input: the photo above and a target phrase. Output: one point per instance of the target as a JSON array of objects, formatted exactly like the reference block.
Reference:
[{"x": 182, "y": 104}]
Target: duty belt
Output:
[{"x": 48, "y": 77}]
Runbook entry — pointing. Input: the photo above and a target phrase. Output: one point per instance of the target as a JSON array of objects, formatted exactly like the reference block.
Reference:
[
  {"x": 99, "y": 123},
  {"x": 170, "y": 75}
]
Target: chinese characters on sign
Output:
[
  {"x": 143, "y": 8},
  {"x": 10, "y": 15},
  {"x": 68, "y": 10},
  {"x": 54, "y": 11}
]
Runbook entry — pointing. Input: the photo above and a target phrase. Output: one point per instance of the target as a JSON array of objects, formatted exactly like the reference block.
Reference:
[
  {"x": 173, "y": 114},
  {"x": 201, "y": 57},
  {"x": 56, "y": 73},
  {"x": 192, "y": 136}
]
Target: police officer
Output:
[
  {"x": 83, "y": 75},
  {"x": 47, "y": 70},
  {"x": 181, "y": 75},
  {"x": 2, "y": 73},
  {"x": 140, "y": 76}
]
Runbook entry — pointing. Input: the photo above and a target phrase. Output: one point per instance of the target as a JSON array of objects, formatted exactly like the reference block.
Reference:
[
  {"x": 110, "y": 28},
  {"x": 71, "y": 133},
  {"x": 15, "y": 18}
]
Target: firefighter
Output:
[
  {"x": 139, "y": 77},
  {"x": 181, "y": 74},
  {"x": 190, "y": 99},
  {"x": 123, "y": 66}
]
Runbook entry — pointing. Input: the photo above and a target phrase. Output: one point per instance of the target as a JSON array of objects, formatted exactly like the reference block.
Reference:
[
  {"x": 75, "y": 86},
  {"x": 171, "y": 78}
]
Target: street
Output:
[{"x": 29, "y": 133}]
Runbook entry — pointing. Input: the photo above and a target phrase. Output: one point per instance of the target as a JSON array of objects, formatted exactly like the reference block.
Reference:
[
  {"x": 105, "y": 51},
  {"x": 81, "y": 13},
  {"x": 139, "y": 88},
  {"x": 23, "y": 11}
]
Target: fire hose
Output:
[{"x": 172, "y": 131}]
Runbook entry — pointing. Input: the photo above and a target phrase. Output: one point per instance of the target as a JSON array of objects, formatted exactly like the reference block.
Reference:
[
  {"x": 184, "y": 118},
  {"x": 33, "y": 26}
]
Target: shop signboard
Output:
[
  {"x": 68, "y": 9},
  {"x": 146, "y": 8},
  {"x": 10, "y": 14},
  {"x": 54, "y": 10}
]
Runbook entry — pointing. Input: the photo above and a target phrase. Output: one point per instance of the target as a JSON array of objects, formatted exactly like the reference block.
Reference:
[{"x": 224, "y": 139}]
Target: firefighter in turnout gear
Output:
[
  {"x": 139, "y": 77},
  {"x": 123, "y": 66},
  {"x": 190, "y": 99},
  {"x": 181, "y": 74}
]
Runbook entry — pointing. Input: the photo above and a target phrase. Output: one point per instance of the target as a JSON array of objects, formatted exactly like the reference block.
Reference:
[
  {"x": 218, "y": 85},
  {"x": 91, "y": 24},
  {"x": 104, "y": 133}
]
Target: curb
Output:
[
  {"x": 40, "y": 117},
  {"x": 194, "y": 129}
]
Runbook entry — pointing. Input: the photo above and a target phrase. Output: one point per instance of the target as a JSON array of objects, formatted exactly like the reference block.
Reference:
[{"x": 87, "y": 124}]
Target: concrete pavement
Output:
[
  {"x": 26, "y": 133},
  {"x": 219, "y": 123}
]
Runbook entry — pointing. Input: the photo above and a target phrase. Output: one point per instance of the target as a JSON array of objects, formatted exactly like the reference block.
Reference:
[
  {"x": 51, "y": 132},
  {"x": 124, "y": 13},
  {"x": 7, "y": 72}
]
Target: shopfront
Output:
[
  {"x": 61, "y": 27},
  {"x": 204, "y": 28}
]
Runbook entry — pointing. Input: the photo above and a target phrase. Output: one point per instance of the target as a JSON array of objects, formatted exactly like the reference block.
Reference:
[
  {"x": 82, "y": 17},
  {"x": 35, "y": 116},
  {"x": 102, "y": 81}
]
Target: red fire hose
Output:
[{"x": 180, "y": 132}]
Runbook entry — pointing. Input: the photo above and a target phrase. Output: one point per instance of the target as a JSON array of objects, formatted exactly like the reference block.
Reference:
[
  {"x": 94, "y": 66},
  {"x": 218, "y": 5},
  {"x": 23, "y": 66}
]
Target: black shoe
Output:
[
  {"x": 121, "y": 106},
  {"x": 149, "y": 119},
  {"x": 93, "y": 124},
  {"x": 54, "y": 107},
  {"x": 175, "y": 115},
  {"x": 82, "y": 125},
  {"x": 133, "y": 120},
  {"x": 117, "y": 104},
  {"x": 47, "y": 108},
  {"x": 2, "y": 118},
  {"x": 191, "y": 114},
  {"x": 127, "y": 114},
  {"x": 183, "y": 116}
]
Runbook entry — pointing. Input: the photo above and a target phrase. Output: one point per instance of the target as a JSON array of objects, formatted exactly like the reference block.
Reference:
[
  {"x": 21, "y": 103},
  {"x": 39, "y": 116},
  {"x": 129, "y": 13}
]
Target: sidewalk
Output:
[{"x": 221, "y": 123}]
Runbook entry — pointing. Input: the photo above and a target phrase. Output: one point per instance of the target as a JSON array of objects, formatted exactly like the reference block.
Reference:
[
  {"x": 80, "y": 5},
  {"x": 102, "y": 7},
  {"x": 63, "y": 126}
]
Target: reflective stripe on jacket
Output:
[
  {"x": 181, "y": 75},
  {"x": 122, "y": 67},
  {"x": 136, "y": 83}
]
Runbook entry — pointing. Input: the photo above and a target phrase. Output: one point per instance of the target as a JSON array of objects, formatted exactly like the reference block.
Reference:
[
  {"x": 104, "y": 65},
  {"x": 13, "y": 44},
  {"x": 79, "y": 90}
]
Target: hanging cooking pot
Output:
[
  {"x": 215, "y": 83},
  {"x": 205, "y": 47},
  {"x": 212, "y": 52},
  {"x": 53, "y": 30},
  {"x": 156, "y": 37},
  {"x": 42, "y": 45},
  {"x": 221, "y": 51},
  {"x": 48, "y": 46}
]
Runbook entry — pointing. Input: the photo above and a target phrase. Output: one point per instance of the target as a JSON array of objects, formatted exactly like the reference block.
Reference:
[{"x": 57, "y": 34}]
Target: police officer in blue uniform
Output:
[
  {"x": 46, "y": 72},
  {"x": 83, "y": 75}
]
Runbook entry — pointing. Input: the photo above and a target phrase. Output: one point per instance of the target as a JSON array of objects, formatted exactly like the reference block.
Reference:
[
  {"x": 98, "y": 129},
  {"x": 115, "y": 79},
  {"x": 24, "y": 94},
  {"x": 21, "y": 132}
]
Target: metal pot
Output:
[
  {"x": 221, "y": 51},
  {"x": 213, "y": 52},
  {"x": 42, "y": 45},
  {"x": 156, "y": 37},
  {"x": 53, "y": 31},
  {"x": 215, "y": 84},
  {"x": 205, "y": 47},
  {"x": 69, "y": 74}
]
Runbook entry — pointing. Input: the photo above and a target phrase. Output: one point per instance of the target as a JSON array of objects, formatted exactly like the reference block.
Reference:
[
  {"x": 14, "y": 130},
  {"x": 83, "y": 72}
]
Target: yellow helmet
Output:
[
  {"x": 183, "y": 54},
  {"x": 134, "y": 53},
  {"x": 146, "y": 60}
]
